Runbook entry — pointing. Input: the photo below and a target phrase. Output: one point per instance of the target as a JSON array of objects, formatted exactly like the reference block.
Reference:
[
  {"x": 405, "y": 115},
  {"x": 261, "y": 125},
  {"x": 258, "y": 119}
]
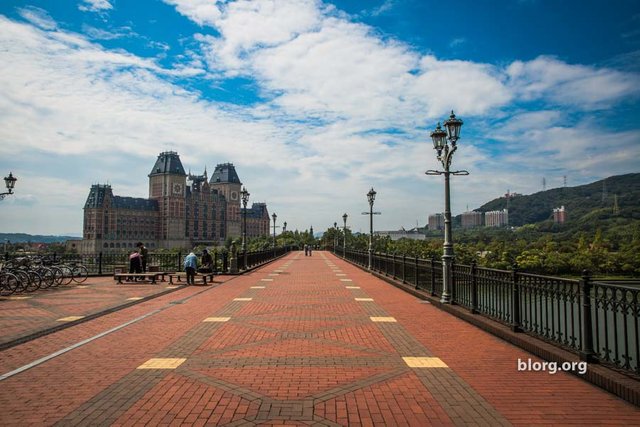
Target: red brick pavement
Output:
[{"x": 288, "y": 344}]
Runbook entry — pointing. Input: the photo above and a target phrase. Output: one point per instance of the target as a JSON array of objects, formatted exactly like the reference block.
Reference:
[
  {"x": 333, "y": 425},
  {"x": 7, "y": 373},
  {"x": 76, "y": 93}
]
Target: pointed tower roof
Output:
[
  {"x": 168, "y": 163},
  {"x": 97, "y": 196},
  {"x": 225, "y": 172}
]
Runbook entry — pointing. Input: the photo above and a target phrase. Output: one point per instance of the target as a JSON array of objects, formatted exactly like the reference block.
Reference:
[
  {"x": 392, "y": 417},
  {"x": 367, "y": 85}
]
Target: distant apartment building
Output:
[
  {"x": 559, "y": 215},
  {"x": 472, "y": 219},
  {"x": 436, "y": 222},
  {"x": 496, "y": 218}
]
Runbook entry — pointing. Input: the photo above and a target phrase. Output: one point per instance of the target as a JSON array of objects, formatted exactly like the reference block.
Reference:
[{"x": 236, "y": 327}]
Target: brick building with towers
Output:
[{"x": 183, "y": 210}]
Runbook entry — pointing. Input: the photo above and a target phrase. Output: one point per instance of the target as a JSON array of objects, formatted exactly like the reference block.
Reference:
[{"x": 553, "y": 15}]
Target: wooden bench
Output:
[
  {"x": 181, "y": 275},
  {"x": 131, "y": 277}
]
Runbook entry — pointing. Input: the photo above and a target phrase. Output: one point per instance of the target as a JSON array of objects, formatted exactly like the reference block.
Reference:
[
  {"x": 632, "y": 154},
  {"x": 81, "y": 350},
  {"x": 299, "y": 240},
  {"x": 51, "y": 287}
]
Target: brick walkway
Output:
[{"x": 302, "y": 341}]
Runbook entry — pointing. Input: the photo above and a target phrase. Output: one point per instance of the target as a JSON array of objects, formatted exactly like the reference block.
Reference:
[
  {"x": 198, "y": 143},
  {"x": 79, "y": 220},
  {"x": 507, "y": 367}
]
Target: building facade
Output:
[
  {"x": 496, "y": 218},
  {"x": 226, "y": 182},
  {"x": 559, "y": 215},
  {"x": 472, "y": 219},
  {"x": 257, "y": 220},
  {"x": 436, "y": 222},
  {"x": 183, "y": 210}
]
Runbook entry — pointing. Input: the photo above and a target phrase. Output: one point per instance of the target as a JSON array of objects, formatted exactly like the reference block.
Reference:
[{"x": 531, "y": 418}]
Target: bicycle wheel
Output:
[
  {"x": 58, "y": 276},
  {"x": 67, "y": 274},
  {"x": 35, "y": 280},
  {"x": 47, "y": 277},
  {"x": 8, "y": 284},
  {"x": 80, "y": 273},
  {"x": 23, "y": 280}
]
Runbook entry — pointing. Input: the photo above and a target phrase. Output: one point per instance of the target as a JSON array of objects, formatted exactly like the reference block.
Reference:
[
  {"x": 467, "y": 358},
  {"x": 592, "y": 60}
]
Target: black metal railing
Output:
[
  {"x": 596, "y": 319},
  {"x": 106, "y": 264}
]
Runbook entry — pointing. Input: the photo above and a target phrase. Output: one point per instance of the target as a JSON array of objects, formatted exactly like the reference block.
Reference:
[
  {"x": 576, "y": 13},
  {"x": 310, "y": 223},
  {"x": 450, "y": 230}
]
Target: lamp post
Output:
[
  {"x": 244, "y": 194},
  {"x": 284, "y": 226},
  {"x": 344, "y": 240},
  {"x": 10, "y": 182},
  {"x": 335, "y": 236},
  {"x": 441, "y": 140},
  {"x": 371, "y": 196},
  {"x": 274, "y": 216}
]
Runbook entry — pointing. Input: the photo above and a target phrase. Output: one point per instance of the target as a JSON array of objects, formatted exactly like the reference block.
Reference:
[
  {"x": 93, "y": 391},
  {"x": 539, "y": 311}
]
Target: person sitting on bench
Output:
[{"x": 206, "y": 262}]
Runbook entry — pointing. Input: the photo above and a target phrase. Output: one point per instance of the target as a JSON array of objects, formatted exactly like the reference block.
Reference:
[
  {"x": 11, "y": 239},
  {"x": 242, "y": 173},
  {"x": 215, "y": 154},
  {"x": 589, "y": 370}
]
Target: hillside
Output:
[
  {"x": 23, "y": 238},
  {"x": 584, "y": 204}
]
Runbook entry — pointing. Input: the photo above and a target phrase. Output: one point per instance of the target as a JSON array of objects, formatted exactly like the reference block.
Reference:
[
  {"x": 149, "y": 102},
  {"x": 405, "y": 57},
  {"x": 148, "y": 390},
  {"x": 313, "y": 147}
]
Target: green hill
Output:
[
  {"x": 585, "y": 205},
  {"x": 25, "y": 238}
]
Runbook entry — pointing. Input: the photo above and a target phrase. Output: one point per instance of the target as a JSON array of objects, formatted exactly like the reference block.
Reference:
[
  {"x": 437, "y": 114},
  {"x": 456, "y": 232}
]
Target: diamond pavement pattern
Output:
[{"x": 291, "y": 344}]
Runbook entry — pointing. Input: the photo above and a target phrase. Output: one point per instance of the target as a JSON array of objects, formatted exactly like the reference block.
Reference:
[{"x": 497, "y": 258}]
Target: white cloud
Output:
[
  {"x": 95, "y": 5},
  {"x": 38, "y": 17},
  {"x": 581, "y": 86},
  {"x": 346, "y": 110}
]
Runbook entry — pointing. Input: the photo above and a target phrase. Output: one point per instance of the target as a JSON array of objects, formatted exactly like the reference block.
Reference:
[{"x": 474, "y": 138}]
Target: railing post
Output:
[
  {"x": 393, "y": 265},
  {"x": 179, "y": 262},
  {"x": 404, "y": 267},
  {"x": 416, "y": 266},
  {"x": 474, "y": 287},
  {"x": 433, "y": 276},
  {"x": 100, "y": 263},
  {"x": 515, "y": 300},
  {"x": 225, "y": 262},
  {"x": 453, "y": 281},
  {"x": 215, "y": 262},
  {"x": 587, "y": 353}
]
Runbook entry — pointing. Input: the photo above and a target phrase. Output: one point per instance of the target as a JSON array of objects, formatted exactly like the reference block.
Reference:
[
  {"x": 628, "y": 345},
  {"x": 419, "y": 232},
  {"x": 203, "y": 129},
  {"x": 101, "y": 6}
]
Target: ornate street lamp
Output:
[
  {"x": 274, "y": 216},
  {"x": 335, "y": 236},
  {"x": 371, "y": 196},
  {"x": 344, "y": 240},
  {"x": 10, "y": 182},
  {"x": 445, "y": 154},
  {"x": 244, "y": 194}
]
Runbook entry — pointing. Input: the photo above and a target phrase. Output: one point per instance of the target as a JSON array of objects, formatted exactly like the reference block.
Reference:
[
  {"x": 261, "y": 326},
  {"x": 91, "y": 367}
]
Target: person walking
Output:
[
  {"x": 190, "y": 266},
  {"x": 144, "y": 255}
]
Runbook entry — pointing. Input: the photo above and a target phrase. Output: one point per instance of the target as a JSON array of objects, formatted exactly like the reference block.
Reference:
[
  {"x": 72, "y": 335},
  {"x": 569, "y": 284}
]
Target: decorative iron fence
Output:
[
  {"x": 598, "y": 320},
  {"x": 105, "y": 264}
]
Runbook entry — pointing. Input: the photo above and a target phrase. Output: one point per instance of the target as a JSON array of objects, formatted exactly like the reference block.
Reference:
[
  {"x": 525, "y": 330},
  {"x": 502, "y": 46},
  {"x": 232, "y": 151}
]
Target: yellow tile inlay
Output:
[
  {"x": 81, "y": 287},
  {"x": 273, "y": 274},
  {"x": 258, "y": 287},
  {"x": 70, "y": 318},
  {"x": 383, "y": 319},
  {"x": 18, "y": 298},
  {"x": 242, "y": 299},
  {"x": 352, "y": 287},
  {"x": 266, "y": 280},
  {"x": 346, "y": 280},
  {"x": 340, "y": 274},
  {"x": 217, "y": 319},
  {"x": 134, "y": 298},
  {"x": 424, "y": 362},
  {"x": 364, "y": 299},
  {"x": 162, "y": 363},
  {"x": 170, "y": 287}
]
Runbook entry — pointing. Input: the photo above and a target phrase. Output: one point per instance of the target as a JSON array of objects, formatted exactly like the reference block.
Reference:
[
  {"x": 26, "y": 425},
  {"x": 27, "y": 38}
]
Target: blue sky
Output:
[{"x": 314, "y": 102}]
